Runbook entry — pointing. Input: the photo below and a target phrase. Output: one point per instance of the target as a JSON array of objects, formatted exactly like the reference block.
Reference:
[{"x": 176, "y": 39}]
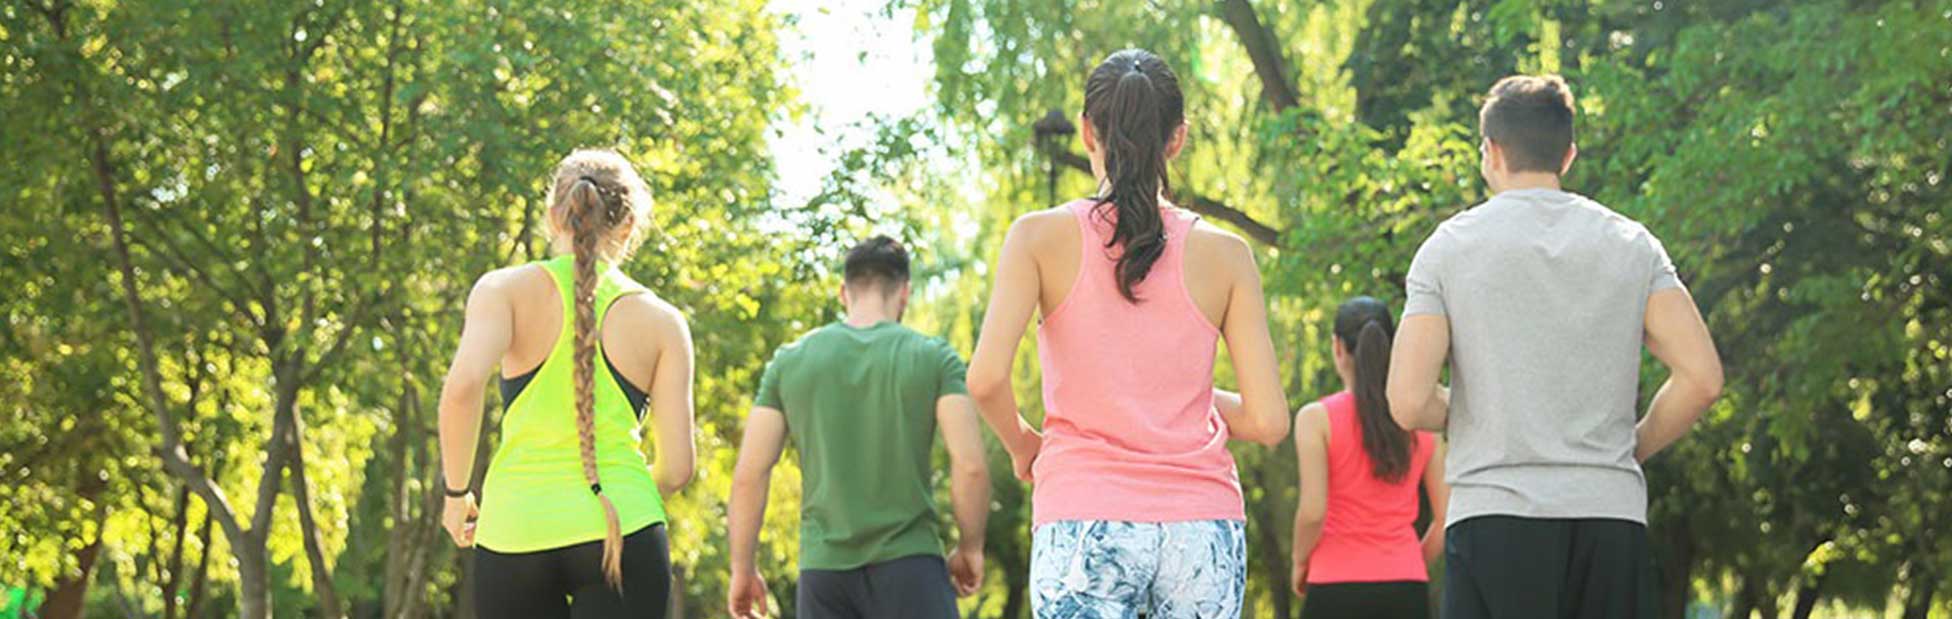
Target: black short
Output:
[
  {"x": 914, "y": 587},
  {"x": 1367, "y": 600},
  {"x": 1507, "y": 567},
  {"x": 568, "y": 581}
]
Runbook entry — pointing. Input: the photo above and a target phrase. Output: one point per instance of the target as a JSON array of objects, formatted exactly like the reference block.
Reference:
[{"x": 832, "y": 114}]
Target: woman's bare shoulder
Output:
[
  {"x": 1207, "y": 244},
  {"x": 647, "y": 312},
  {"x": 511, "y": 282}
]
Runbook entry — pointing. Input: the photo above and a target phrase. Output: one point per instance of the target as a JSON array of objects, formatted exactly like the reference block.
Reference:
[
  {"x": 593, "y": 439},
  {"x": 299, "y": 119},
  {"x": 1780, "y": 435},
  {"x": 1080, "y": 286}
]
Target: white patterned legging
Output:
[{"x": 1097, "y": 569}]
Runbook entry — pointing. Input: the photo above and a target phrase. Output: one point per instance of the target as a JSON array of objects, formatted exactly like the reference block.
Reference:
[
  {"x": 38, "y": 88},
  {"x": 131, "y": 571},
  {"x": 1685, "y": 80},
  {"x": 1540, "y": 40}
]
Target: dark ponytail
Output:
[
  {"x": 1134, "y": 105},
  {"x": 1365, "y": 328}
]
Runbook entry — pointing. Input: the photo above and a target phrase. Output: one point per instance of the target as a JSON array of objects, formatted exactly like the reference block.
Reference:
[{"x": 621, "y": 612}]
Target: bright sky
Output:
[{"x": 849, "y": 62}]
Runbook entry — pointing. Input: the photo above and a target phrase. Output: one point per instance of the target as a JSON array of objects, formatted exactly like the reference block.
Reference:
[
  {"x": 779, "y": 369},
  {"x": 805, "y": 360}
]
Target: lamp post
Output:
[{"x": 1049, "y": 130}]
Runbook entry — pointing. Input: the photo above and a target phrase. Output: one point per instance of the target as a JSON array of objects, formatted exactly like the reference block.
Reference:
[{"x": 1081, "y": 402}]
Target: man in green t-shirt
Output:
[{"x": 863, "y": 399}]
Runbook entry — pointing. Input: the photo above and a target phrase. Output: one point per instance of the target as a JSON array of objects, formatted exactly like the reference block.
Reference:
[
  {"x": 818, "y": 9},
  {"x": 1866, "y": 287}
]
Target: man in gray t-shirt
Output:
[{"x": 1542, "y": 299}]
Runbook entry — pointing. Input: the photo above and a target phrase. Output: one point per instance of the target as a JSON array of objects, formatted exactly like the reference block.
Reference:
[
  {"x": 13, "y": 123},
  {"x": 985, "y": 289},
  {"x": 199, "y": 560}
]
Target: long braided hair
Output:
[{"x": 604, "y": 205}]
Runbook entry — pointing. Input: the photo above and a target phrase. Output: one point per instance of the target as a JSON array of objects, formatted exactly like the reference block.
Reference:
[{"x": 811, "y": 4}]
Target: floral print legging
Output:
[{"x": 1096, "y": 569}]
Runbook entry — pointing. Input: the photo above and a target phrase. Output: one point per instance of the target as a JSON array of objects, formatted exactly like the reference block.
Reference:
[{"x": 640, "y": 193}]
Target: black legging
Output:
[
  {"x": 568, "y": 581},
  {"x": 1367, "y": 600}
]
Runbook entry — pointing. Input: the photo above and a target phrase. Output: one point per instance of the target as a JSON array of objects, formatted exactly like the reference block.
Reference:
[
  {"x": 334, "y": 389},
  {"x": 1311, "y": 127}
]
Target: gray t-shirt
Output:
[{"x": 1546, "y": 295}]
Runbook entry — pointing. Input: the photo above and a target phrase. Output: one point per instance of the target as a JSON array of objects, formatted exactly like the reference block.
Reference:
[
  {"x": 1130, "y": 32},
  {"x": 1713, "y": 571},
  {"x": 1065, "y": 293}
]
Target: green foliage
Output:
[
  {"x": 309, "y": 190},
  {"x": 1800, "y": 189}
]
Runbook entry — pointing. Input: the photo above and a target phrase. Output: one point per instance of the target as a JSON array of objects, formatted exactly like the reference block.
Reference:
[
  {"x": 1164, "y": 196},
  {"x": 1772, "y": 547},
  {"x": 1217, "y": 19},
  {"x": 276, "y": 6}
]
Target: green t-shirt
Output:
[{"x": 860, "y": 405}]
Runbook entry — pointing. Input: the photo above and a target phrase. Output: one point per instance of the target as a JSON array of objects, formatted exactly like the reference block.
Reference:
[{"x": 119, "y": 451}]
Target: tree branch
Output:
[
  {"x": 1264, "y": 49},
  {"x": 1246, "y": 223},
  {"x": 309, "y": 371},
  {"x": 301, "y": 494},
  {"x": 1253, "y": 228},
  {"x": 175, "y": 459},
  {"x": 277, "y": 452},
  {"x": 162, "y": 246}
]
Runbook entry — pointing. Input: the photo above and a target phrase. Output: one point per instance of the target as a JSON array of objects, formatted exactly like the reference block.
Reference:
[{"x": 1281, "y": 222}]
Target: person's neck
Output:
[
  {"x": 864, "y": 315},
  {"x": 1105, "y": 189},
  {"x": 1529, "y": 180},
  {"x": 1348, "y": 379}
]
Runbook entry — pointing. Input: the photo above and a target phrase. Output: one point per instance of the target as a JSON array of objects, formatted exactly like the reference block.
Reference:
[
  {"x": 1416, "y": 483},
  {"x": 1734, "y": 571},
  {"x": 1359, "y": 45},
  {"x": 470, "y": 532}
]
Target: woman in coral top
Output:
[
  {"x": 1356, "y": 551},
  {"x": 1136, "y": 505}
]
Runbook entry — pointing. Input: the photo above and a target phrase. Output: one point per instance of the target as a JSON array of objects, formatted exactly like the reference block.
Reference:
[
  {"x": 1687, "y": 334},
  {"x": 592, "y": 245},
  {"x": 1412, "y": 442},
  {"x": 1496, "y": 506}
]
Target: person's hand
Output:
[
  {"x": 966, "y": 570},
  {"x": 747, "y": 596},
  {"x": 457, "y": 516},
  {"x": 1299, "y": 579},
  {"x": 1022, "y": 466},
  {"x": 1024, "y": 456}
]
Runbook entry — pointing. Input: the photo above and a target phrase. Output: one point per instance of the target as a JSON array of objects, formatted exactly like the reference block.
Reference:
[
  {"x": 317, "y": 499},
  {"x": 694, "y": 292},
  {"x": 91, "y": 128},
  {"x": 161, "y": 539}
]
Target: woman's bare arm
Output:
[
  {"x": 1262, "y": 416},
  {"x": 1013, "y": 298},
  {"x": 486, "y": 332}
]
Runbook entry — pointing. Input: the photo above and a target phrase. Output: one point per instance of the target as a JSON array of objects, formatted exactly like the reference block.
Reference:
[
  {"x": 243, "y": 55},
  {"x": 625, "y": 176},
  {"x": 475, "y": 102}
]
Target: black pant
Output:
[
  {"x": 1506, "y": 567},
  {"x": 907, "y": 588},
  {"x": 1367, "y": 600},
  {"x": 568, "y": 581}
]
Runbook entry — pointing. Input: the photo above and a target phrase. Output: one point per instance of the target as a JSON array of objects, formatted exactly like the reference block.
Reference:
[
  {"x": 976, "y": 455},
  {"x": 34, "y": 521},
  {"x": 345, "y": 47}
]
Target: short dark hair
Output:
[
  {"x": 1530, "y": 117},
  {"x": 876, "y": 262}
]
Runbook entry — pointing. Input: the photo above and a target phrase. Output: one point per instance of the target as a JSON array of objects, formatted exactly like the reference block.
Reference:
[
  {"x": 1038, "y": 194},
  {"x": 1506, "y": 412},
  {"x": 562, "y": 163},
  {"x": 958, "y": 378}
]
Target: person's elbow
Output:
[
  {"x": 1273, "y": 428},
  {"x": 1405, "y": 406},
  {"x": 974, "y": 472},
  {"x": 746, "y": 478},
  {"x": 455, "y": 389},
  {"x": 674, "y": 474},
  {"x": 1710, "y": 384},
  {"x": 1702, "y": 387},
  {"x": 986, "y": 384},
  {"x": 1311, "y": 516},
  {"x": 1265, "y": 423}
]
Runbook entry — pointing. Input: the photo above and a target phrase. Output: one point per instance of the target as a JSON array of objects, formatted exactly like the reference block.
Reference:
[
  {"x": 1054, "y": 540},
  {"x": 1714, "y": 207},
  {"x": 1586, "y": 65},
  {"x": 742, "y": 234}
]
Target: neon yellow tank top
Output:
[{"x": 534, "y": 497}]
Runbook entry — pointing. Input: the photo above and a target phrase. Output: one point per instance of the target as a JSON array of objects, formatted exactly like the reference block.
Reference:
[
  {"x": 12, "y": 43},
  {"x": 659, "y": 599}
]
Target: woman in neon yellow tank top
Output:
[{"x": 571, "y": 518}]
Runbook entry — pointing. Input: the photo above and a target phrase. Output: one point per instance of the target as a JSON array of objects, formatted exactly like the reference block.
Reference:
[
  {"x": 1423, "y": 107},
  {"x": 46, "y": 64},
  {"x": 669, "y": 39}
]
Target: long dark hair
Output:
[
  {"x": 1133, "y": 103},
  {"x": 1365, "y": 328}
]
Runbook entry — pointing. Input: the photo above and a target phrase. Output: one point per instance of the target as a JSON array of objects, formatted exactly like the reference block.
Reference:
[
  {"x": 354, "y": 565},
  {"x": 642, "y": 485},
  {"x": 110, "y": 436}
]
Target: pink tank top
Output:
[
  {"x": 1368, "y": 533},
  {"x": 1130, "y": 432}
]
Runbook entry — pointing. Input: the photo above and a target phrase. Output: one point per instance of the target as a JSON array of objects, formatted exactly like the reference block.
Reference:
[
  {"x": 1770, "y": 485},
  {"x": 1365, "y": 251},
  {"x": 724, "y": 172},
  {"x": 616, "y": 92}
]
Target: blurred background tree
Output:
[{"x": 237, "y": 238}]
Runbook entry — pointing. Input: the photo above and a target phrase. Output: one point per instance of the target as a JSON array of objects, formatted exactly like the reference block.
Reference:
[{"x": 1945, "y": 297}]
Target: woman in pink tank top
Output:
[
  {"x": 1136, "y": 505},
  {"x": 1356, "y": 550}
]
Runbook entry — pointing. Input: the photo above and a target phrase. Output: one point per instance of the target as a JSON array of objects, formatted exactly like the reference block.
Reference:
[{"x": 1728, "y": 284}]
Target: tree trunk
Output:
[
  {"x": 301, "y": 492},
  {"x": 1806, "y": 597},
  {"x": 195, "y": 604},
  {"x": 173, "y": 581},
  {"x": 1014, "y": 603},
  {"x": 254, "y": 593},
  {"x": 399, "y": 504},
  {"x": 70, "y": 594},
  {"x": 253, "y": 579},
  {"x": 1919, "y": 593},
  {"x": 1264, "y": 50},
  {"x": 1271, "y": 553},
  {"x": 420, "y": 549},
  {"x": 676, "y": 608},
  {"x": 415, "y": 531},
  {"x": 1677, "y": 571},
  {"x": 65, "y": 601},
  {"x": 1745, "y": 601}
]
